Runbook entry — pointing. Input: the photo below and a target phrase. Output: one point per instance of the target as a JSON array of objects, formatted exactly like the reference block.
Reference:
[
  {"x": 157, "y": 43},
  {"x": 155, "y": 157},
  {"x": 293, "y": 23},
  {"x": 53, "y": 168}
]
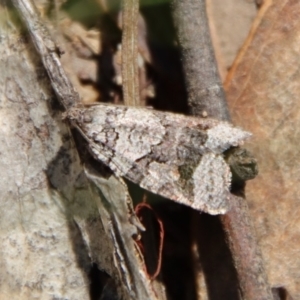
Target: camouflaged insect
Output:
[{"x": 172, "y": 155}]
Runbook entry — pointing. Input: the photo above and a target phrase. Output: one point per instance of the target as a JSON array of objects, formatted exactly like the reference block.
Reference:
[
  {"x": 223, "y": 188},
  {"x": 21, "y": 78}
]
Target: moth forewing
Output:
[{"x": 172, "y": 155}]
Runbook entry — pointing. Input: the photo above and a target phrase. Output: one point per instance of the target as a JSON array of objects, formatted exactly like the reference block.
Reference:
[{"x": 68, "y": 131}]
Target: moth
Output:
[{"x": 176, "y": 156}]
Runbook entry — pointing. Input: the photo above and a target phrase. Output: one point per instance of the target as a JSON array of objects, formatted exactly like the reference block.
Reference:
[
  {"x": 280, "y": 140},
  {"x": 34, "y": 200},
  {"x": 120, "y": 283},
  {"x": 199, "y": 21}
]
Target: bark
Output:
[
  {"x": 205, "y": 89},
  {"x": 57, "y": 240},
  {"x": 207, "y": 97},
  {"x": 43, "y": 193}
]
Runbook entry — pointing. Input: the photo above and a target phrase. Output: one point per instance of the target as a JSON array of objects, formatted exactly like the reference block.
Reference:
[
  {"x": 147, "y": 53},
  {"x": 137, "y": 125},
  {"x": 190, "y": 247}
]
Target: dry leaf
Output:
[{"x": 263, "y": 93}]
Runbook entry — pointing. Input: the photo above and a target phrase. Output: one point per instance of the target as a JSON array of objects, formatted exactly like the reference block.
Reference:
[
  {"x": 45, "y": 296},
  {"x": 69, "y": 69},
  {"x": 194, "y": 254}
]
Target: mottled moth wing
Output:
[{"x": 172, "y": 155}]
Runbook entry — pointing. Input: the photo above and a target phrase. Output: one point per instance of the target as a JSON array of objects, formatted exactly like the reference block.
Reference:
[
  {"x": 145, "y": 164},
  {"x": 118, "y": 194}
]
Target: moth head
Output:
[{"x": 223, "y": 136}]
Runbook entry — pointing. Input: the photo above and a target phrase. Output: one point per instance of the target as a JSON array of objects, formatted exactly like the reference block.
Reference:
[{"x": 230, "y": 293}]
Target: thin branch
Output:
[
  {"x": 245, "y": 250},
  {"x": 49, "y": 54},
  {"x": 207, "y": 97},
  {"x": 205, "y": 89},
  {"x": 130, "y": 72}
]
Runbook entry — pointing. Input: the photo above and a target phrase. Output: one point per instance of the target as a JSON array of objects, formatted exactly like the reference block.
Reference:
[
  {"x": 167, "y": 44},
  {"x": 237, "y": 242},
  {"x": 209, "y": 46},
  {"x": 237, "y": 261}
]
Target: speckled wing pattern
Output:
[{"x": 175, "y": 156}]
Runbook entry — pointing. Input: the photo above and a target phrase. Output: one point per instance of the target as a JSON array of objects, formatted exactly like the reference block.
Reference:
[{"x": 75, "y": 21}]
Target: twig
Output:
[
  {"x": 245, "y": 250},
  {"x": 130, "y": 76},
  {"x": 205, "y": 89},
  {"x": 131, "y": 96},
  {"x": 206, "y": 96},
  {"x": 49, "y": 54}
]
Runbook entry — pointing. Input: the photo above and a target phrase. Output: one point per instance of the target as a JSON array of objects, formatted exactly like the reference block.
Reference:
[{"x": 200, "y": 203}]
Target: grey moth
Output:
[{"x": 176, "y": 156}]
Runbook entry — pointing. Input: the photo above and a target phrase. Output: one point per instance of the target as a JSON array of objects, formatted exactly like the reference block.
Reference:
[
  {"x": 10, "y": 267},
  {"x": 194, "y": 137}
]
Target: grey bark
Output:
[
  {"x": 42, "y": 191},
  {"x": 51, "y": 219},
  {"x": 205, "y": 89}
]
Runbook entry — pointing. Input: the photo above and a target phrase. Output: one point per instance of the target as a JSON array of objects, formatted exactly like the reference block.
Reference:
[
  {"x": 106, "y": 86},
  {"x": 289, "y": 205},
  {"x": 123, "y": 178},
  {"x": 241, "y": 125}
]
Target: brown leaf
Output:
[{"x": 263, "y": 93}]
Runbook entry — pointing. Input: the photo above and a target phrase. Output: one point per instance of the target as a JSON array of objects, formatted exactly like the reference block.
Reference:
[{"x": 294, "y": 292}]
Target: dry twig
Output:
[
  {"x": 130, "y": 72},
  {"x": 206, "y": 97}
]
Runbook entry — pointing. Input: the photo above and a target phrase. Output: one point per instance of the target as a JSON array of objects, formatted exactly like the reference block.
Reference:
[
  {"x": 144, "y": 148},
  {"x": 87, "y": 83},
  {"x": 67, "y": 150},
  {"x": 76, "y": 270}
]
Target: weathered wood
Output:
[{"x": 51, "y": 231}]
